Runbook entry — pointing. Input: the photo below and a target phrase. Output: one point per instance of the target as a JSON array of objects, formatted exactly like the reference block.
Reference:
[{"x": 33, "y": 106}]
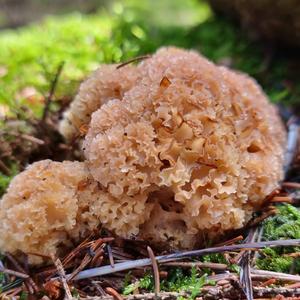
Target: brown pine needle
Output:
[
  {"x": 231, "y": 241},
  {"x": 272, "y": 194},
  {"x": 12, "y": 293},
  {"x": 262, "y": 274},
  {"x": 30, "y": 284},
  {"x": 138, "y": 58},
  {"x": 293, "y": 286},
  {"x": 113, "y": 293},
  {"x": 155, "y": 271},
  {"x": 96, "y": 249},
  {"x": 14, "y": 273},
  {"x": 110, "y": 256},
  {"x": 86, "y": 260},
  {"x": 52, "y": 91},
  {"x": 32, "y": 139},
  {"x": 294, "y": 255},
  {"x": 4, "y": 168},
  {"x": 259, "y": 219},
  {"x": 282, "y": 199},
  {"x": 128, "y": 265},
  {"x": 62, "y": 276},
  {"x": 292, "y": 185},
  {"x": 268, "y": 282}
]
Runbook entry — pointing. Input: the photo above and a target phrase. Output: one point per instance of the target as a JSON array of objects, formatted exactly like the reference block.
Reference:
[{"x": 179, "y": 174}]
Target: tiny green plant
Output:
[
  {"x": 177, "y": 281},
  {"x": 285, "y": 225}
]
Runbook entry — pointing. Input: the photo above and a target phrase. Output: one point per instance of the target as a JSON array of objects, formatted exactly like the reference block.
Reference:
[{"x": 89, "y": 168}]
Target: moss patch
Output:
[{"x": 285, "y": 225}]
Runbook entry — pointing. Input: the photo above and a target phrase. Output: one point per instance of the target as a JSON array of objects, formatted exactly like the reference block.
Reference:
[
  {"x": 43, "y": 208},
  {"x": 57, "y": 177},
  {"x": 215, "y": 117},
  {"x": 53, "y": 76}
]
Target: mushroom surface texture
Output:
[
  {"x": 197, "y": 146},
  {"x": 178, "y": 151},
  {"x": 46, "y": 208},
  {"x": 104, "y": 84}
]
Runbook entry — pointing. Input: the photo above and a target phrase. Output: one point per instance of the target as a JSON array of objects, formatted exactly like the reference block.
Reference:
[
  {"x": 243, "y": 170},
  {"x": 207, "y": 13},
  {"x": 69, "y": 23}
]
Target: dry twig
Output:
[
  {"x": 14, "y": 273},
  {"x": 155, "y": 271},
  {"x": 52, "y": 90},
  {"x": 30, "y": 284},
  {"x": 291, "y": 185},
  {"x": 127, "y": 265},
  {"x": 62, "y": 276},
  {"x": 110, "y": 255},
  {"x": 138, "y": 58},
  {"x": 231, "y": 241},
  {"x": 114, "y": 293}
]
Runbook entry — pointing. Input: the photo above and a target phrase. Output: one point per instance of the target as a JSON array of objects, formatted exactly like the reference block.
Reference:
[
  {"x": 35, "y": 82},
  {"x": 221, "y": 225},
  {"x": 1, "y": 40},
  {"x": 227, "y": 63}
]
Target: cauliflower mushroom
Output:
[
  {"x": 106, "y": 83},
  {"x": 46, "y": 208},
  {"x": 184, "y": 150},
  {"x": 198, "y": 145}
]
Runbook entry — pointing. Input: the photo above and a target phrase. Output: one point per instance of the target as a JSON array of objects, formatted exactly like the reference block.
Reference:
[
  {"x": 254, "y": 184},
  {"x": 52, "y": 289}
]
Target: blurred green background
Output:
[{"x": 114, "y": 31}]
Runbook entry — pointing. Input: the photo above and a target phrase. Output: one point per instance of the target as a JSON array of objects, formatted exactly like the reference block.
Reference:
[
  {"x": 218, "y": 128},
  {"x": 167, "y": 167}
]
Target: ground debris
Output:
[{"x": 78, "y": 273}]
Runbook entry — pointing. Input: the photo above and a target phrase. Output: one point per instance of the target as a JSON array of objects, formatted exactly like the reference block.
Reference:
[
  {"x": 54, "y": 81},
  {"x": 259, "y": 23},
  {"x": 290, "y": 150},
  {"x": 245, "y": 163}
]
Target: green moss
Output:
[
  {"x": 146, "y": 283},
  {"x": 30, "y": 55},
  {"x": 5, "y": 180},
  {"x": 24, "y": 296},
  {"x": 285, "y": 225},
  {"x": 214, "y": 258},
  {"x": 271, "y": 261},
  {"x": 178, "y": 280}
]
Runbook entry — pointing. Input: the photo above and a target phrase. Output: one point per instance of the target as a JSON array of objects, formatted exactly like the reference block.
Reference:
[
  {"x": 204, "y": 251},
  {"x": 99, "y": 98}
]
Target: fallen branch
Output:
[
  {"x": 123, "y": 266},
  {"x": 62, "y": 276},
  {"x": 14, "y": 273},
  {"x": 262, "y": 274}
]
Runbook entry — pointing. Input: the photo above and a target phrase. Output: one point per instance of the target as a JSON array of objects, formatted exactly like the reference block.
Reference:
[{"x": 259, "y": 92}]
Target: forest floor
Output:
[{"x": 76, "y": 44}]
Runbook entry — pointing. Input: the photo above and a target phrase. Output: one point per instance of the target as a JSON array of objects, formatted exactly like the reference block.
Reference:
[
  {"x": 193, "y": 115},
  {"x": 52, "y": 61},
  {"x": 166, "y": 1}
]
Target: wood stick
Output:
[
  {"x": 262, "y": 274},
  {"x": 14, "y": 273},
  {"x": 123, "y": 266},
  {"x": 155, "y": 271},
  {"x": 281, "y": 199},
  {"x": 138, "y": 58},
  {"x": 292, "y": 185},
  {"x": 62, "y": 275},
  {"x": 52, "y": 90},
  {"x": 231, "y": 241}
]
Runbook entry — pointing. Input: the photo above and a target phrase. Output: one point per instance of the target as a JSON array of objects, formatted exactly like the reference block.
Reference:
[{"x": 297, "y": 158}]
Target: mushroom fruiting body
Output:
[
  {"x": 199, "y": 145},
  {"x": 46, "y": 207},
  {"x": 104, "y": 84},
  {"x": 178, "y": 149}
]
